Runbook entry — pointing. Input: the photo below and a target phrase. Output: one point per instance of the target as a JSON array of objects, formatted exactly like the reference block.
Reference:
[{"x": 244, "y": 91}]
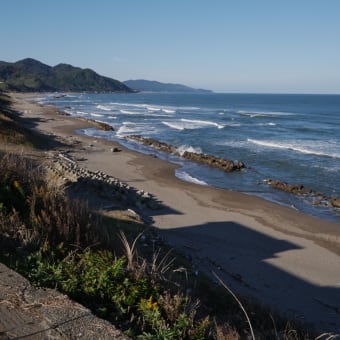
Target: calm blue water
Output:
[{"x": 293, "y": 138}]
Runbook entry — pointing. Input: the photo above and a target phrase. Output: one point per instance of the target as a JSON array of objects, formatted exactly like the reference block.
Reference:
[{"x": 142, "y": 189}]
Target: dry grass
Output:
[
  {"x": 34, "y": 212},
  {"x": 239, "y": 303}
]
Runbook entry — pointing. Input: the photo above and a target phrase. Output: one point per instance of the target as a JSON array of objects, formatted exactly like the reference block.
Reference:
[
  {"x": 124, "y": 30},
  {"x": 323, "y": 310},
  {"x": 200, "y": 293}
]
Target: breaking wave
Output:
[
  {"x": 127, "y": 112},
  {"x": 254, "y": 114},
  {"x": 191, "y": 124},
  {"x": 96, "y": 115},
  {"x": 183, "y": 148},
  {"x": 104, "y": 107},
  {"x": 188, "y": 178},
  {"x": 321, "y": 149}
]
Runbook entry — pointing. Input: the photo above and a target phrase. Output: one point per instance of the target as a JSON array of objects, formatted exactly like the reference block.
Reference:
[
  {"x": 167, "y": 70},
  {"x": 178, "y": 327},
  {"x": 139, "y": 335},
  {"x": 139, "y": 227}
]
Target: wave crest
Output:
[
  {"x": 183, "y": 148},
  {"x": 183, "y": 175},
  {"x": 322, "y": 149},
  {"x": 191, "y": 124}
]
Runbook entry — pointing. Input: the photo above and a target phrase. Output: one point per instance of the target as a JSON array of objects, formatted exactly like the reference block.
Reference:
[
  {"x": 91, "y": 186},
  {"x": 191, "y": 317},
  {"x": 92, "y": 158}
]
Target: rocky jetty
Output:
[
  {"x": 216, "y": 162},
  {"x": 106, "y": 186},
  {"x": 99, "y": 125},
  {"x": 301, "y": 190}
]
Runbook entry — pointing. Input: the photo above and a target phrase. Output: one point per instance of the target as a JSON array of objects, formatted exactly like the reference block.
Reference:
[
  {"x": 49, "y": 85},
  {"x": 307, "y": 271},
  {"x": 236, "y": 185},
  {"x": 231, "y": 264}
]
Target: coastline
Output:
[{"x": 282, "y": 257}]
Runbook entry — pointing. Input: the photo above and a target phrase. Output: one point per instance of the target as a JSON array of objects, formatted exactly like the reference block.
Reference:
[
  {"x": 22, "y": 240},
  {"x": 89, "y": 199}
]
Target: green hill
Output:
[{"x": 30, "y": 75}]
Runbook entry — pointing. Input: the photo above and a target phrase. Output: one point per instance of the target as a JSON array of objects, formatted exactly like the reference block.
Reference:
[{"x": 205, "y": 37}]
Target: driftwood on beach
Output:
[{"x": 217, "y": 162}]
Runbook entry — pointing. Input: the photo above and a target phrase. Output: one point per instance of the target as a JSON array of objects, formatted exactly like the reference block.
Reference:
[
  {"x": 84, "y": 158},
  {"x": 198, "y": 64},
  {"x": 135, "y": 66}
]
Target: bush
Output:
[{"x": 107, "y": 286}]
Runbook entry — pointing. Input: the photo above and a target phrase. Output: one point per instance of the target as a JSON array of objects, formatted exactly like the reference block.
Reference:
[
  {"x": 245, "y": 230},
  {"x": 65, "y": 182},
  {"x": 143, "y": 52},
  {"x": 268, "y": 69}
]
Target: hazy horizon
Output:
[{"x": 225, "y": 46}]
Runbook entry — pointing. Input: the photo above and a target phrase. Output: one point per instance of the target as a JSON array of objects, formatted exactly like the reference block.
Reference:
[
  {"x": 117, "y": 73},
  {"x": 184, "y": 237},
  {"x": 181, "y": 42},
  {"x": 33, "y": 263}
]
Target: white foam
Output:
[
  {"x": 94, "y": 132},
  {"x": 177, "y": 126},
  {"x": 132, "y": 128},
  {"x": 125, "y": 130},
  {"x": 188, "y": 178},
  {"x": 89, "y": 132},
  {"x": 104, "y": 107},
  {"x": 127, "y": 112},
  {"x": 181, "y": 149},
  {"x": 253, "y": 114},
  {"x": 137, "y": 106},
  {"x": 321, "y": 149},
  {"x": 96, "y": 115},
  {"x": 168, "y": 111},
  {"x": 191, "y": 124},
  {"x": 127, "y": 104},
  {"x": 267, "y": 124},
  {"x": 202, "y": 123},
  {"x": 152, "y": 109}
]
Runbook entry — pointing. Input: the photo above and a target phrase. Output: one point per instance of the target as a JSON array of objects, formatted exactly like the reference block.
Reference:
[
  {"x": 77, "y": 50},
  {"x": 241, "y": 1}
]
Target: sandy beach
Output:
[{"x": 277, "y": 255}]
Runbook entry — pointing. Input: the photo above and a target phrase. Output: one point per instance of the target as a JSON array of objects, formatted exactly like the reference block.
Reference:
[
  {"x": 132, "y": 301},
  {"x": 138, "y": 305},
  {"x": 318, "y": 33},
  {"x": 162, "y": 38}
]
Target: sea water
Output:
[{"x": 292, "y": 138}]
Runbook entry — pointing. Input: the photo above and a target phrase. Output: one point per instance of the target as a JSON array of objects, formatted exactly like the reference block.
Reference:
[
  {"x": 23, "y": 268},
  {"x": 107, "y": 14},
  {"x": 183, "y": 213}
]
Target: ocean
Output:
[{"x": 292, "y": 138}]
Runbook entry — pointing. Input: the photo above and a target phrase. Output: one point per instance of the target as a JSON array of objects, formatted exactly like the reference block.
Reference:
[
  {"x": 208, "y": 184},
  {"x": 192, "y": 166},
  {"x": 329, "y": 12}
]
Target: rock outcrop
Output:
[
  {"x": 301, "y": 190},
  {"x": 335, "y": 202},
  {"x": 216, "y": 162},
  {"x": 99, "y": 125}
]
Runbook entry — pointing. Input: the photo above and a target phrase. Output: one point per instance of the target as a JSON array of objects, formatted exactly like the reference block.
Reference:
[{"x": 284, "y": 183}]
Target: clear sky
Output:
[{"x": 290, "y": 46}]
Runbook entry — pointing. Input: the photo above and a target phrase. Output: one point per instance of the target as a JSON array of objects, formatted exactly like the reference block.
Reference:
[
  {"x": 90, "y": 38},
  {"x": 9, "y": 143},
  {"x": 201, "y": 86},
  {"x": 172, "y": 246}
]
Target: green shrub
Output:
[{"x": 111, "y": 289}]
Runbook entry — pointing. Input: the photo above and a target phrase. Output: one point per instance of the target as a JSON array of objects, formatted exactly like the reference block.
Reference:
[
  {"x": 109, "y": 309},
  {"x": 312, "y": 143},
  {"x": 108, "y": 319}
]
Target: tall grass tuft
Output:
[
  {"x": 33, "y": 212},
  {"x": 239, "y": 303}
]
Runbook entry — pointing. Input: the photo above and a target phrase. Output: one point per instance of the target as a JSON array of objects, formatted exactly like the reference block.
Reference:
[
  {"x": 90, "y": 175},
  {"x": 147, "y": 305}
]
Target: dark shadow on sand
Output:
[
  {"x": 99, "y": 195},
  {"x": 240, "y": 256},
  {"x": 22, "y": 129}
]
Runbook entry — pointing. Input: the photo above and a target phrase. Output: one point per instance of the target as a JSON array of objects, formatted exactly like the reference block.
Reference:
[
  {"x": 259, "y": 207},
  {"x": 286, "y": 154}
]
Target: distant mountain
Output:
[
  {"x": 30, "y": 75},
  {"x": 155, "y": 86}
]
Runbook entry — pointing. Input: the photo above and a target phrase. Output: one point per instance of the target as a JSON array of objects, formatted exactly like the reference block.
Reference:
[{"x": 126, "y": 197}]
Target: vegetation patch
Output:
[{"x": 30, "y": 75}]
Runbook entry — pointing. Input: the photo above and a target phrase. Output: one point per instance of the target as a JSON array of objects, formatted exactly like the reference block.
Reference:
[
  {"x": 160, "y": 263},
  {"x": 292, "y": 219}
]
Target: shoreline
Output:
[
  {"x": 256, "y": 177},
  {"x": 225, "y": 165},
  {"x": 280, "y": 256}
]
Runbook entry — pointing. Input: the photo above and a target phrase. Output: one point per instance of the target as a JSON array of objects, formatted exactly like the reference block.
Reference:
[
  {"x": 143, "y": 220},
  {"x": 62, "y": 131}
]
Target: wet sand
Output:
[{"x": 284, "y": 258}]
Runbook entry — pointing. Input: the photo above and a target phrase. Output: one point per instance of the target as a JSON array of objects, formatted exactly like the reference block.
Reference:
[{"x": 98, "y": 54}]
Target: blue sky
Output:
[{"x": 290, "y": 46}]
